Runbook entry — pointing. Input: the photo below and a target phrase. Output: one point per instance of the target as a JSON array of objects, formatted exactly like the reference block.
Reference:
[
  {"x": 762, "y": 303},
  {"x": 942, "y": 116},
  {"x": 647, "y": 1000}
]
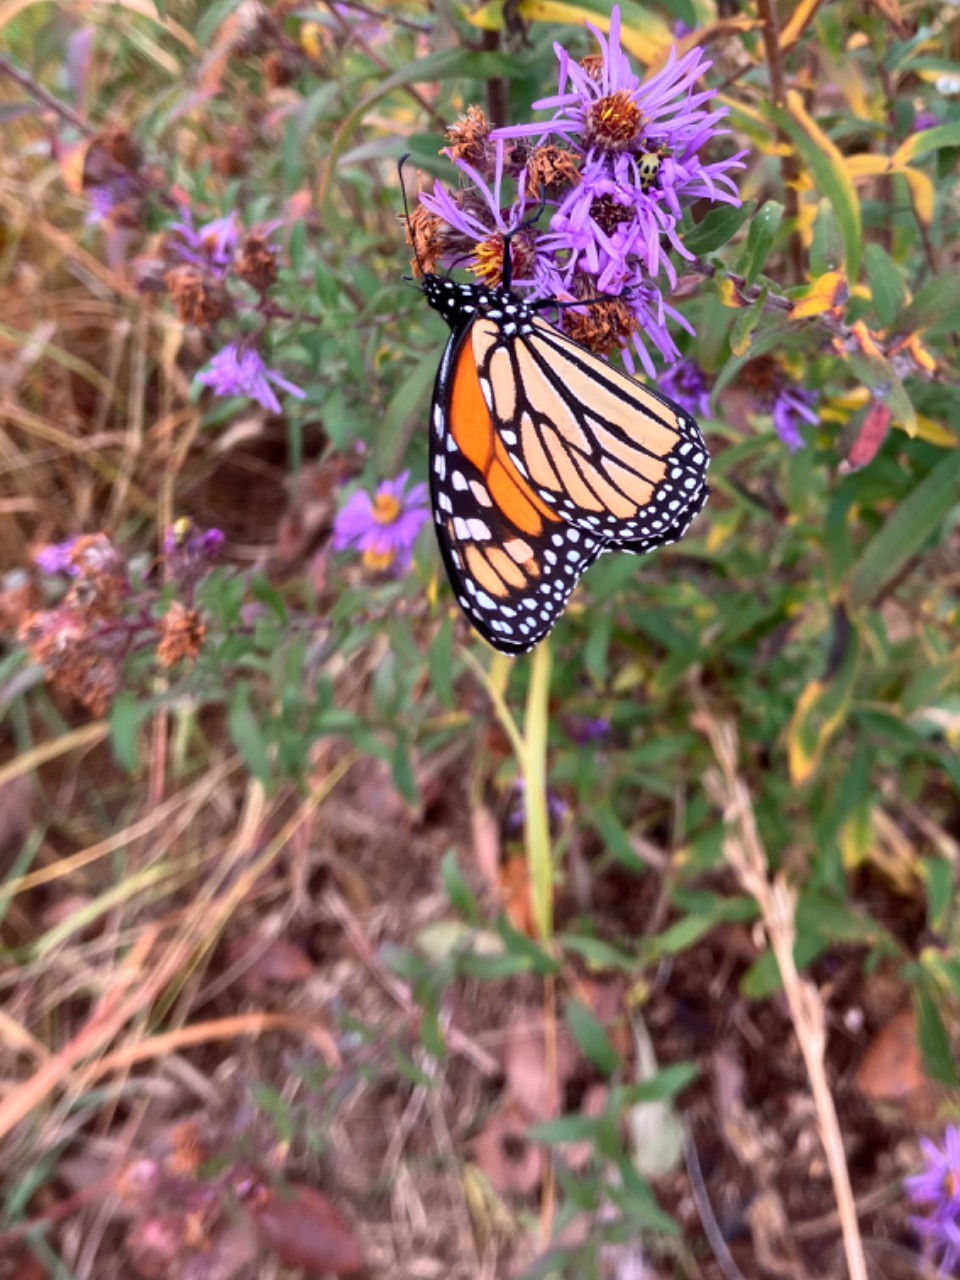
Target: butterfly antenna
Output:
[
  {"x": 506, "y": 276},
  {"x": 406, "y": 213}
]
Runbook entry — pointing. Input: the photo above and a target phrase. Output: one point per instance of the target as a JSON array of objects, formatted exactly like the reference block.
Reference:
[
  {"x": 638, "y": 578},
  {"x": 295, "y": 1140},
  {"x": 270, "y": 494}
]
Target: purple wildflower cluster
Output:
[
  {"x": 385, "y": 527},
  {"x": 938, "y": 1188},
  {"x": 204, "y": 268},
  {"x": 618, "y": 162}
]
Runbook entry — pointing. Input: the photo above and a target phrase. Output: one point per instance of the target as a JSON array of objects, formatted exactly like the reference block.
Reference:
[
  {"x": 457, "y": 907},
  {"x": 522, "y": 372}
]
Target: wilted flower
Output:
[
  {"x": 618, "y": 162},
  {"x": 767, "y": 380},
  {"x": 385, "y": 527},
  {"x": 938, "y": 1187},
  {"x": 240, "y": 371},
  {"x": 182, "y": 633},
  {"x": 687, "y": 385}
]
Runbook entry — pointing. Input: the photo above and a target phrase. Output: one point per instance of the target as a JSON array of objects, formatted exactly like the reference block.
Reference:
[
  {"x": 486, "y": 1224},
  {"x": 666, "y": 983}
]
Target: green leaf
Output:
[
  {"x": 822, "y": 709},
  {"x": 938, "y": 876},
  {"x": 933, "y": 1039},
  {"x": 886, "y": 283},
  {"x": 461, "y": 899},
  {"x": 575, "y": 1128},
  {"x": 905, "y": 532},
  {"x": 763, "y": 231},
  {"x": 745, "y": 325},
  {"x": 247, "y": 734},
  {"x": 440, "y": 664},
  {"x": 921, "y": 144},
  {"x": 589, "y": 1034},
  {"x": 718, "y": 227},
  {"x": 407, "y": 401},
  {"x": 827, "y": 251},
  {"x": 127, "y": 715},
  {"x": 834, "y": 183},
  {"x": 937, "y": 301}
]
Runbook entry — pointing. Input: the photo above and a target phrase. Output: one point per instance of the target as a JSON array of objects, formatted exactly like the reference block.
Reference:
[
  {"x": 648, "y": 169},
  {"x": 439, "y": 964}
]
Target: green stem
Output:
[{"x": 534, "y": 765}]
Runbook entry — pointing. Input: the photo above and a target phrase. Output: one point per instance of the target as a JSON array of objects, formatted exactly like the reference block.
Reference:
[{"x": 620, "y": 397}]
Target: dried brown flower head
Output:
[
  {"x": 603, "y": 328},
  {"x": 257, "y": 262},
  {"x": 199, "y": 302},
  {"x": 613, "y": 123},
  {"x": 469, "y": 140},
  {"x": 182, "y": 633},
  {"x": 426, "y": 232},
  {"x": 551, "y": 166}
]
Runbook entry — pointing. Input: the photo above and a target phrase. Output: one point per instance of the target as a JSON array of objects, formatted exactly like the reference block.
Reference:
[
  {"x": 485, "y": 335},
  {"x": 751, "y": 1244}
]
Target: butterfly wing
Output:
[
  {"x": 512, "y": 560},
  {"x": 612, "y": 457}
]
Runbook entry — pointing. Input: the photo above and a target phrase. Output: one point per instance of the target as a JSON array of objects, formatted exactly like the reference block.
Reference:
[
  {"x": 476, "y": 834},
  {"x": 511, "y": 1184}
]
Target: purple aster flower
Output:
[
  {"x": 629, "y": 153},
  {"x": 211, "y": 246},
  {"x": 686, "y": 384},
  {"x": 938, "y": 1187},
  {"x": 385, "y": 527},
  {"x": 56, "y": 558},
  {"x": 240, "y": 371},
  {"x": 924, "y": 120},
  {"x": 792, "y": 405},
  {"x": 190, "y": 551},
  {"x": 587, "y": 730}
]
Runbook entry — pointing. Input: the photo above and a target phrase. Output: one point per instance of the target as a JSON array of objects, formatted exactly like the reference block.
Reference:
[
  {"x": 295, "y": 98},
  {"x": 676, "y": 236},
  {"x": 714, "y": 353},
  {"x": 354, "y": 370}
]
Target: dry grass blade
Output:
[{"x": 777, "y": 902}]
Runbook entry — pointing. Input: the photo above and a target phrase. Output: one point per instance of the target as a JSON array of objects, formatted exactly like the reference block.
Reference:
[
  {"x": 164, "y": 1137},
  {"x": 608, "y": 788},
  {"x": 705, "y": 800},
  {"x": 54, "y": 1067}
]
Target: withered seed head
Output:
[
  {"x": 257, "y": 263},
  {"x": 603, "y": 327},
  {"x": 551, "y": 166},
  {"x": 198, "y": 301},
  {"x": 469, "y": 140}
]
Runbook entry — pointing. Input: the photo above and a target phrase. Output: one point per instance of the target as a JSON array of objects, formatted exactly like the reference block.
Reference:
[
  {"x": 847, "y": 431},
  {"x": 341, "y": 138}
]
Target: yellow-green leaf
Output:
[
  {"x": 830, "y": 290},
  {"x": 921, "y": 144},
  {"x": 820, "y": 711},
  {"x": 829, "y": 168}
]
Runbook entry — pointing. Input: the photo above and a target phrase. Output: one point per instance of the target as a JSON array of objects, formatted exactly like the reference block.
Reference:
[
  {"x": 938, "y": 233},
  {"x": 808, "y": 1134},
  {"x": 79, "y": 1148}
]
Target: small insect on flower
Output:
[{"x": 384, "y": 527}]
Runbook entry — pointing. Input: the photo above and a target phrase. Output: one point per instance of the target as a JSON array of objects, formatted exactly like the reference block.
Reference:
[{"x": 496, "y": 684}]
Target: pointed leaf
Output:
[{"x": 905, "y": 532}]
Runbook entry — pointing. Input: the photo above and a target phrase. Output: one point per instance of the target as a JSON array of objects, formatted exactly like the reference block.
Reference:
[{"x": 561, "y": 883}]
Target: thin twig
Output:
[
  {"x": 778, "y": 92},
  {"x": 60, "y": 108},
  {"x": 777, "y": 902}
]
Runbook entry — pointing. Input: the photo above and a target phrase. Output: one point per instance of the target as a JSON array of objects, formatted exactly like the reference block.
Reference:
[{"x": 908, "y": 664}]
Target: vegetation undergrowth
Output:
[{"x": 333, "y": 941}]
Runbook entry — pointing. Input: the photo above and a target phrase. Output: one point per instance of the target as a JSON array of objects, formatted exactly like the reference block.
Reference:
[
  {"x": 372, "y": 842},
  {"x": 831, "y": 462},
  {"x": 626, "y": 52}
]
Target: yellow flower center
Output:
[
  {"x": 489, "y": 264},
  {"x": 378, "y": 561},
  {"x": 386, "y": 508},
  {"x": 614, "y": 122}
]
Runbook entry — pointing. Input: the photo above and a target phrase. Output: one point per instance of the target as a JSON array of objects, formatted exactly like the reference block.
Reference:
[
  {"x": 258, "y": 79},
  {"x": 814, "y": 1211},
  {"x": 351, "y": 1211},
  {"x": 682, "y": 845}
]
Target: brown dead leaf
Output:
[
  {"x": 278, "y": 962},
  {"x": 525, "y": 1064},
  {"x": 486, "y": 846},
  {"x": 511, "y": 1163},
  {"x": 303, "y": 1229},
  {"x": 892, "y": 1067}
]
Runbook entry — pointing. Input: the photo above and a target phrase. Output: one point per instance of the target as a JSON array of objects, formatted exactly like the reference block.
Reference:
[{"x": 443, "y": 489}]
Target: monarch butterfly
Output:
[{"x": 542, "y": 457}]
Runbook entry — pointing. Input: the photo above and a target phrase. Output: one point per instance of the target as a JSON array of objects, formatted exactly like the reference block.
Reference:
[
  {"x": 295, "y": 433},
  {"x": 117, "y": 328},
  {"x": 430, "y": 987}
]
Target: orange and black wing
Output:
[
  {"x": 512, "y": 558},
  {"x": 603, "y": 452}
]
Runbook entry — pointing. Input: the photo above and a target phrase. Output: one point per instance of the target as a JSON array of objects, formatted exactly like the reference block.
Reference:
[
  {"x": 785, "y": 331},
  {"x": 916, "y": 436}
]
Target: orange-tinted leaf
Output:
[
  {"x": 799, "y": 20},
  {"x": 514, "y": 888},
  {"x": 892, "y": 1067},
  {"x": 303, "y": 1229},
  {"x": 865, "y": 341},
  {"x": 828, "y": 293},
  {"x": 918, "y": 353},
  {"x": 870, "y": 437}
]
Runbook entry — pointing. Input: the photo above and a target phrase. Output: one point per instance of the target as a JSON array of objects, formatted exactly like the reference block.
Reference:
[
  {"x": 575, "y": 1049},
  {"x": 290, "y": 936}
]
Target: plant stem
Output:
[
  {"x": 790, "y": 168},
  {"x": 35, "y": 91},
  {"x": 536, "y": 817}
]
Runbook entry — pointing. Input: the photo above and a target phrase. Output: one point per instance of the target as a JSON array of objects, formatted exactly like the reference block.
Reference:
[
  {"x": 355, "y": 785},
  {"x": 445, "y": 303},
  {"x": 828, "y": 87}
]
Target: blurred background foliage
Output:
[{"x": 815, "y": 605}]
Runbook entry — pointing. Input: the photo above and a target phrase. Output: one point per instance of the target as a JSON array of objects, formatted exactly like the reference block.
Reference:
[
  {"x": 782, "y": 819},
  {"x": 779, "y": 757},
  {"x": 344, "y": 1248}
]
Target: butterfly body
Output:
[{"x": 542, "y": 457}]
